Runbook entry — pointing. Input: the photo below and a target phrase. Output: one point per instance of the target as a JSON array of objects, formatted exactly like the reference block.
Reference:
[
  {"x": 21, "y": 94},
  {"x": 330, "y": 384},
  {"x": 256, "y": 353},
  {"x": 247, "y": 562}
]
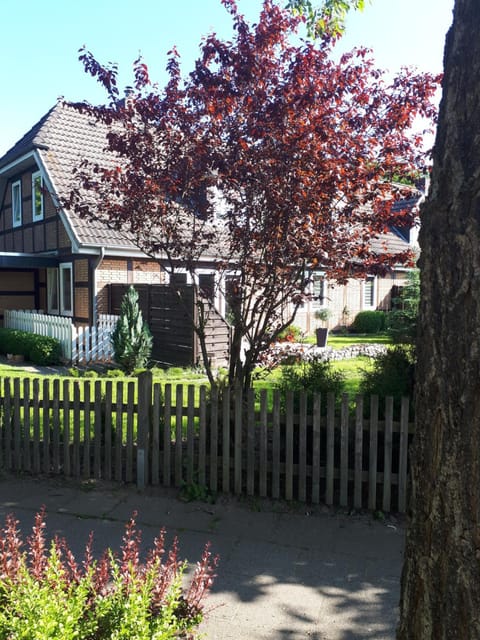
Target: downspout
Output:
[{"x": 95, "y": 266}]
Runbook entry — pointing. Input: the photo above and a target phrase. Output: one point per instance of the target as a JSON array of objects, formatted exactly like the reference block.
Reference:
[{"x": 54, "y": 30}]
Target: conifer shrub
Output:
[
  {"x": 131, "y": 338},
  {"x": 46, "y": 594}
]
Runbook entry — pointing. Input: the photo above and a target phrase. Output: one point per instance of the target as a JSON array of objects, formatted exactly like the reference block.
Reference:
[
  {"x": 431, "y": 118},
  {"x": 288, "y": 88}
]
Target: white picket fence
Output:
[
  {"x": 80, "y": 345},
  {"x": 92, "y": 344}
]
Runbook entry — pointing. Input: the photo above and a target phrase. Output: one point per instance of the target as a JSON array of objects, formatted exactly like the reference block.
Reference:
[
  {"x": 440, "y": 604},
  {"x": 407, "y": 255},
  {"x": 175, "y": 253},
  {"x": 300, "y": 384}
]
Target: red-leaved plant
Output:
[{"x": 46, "y": 593}]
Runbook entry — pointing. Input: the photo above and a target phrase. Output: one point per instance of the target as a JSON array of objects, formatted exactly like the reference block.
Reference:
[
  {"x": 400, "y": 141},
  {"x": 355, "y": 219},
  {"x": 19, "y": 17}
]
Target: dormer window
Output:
[
  {"x": 17, "y": 203},
  {"x": 37, "y": 196}
]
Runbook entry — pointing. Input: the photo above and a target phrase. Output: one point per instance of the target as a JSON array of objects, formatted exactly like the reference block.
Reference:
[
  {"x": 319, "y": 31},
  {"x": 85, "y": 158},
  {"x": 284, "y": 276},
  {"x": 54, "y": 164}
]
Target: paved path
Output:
[{"x": 284, "y": 573}]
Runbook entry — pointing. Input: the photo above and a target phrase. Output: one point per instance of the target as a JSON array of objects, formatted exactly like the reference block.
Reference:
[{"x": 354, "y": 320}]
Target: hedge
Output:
[
  {"x": 41, "y": 350},
  {"x": 369, "y": 322}
]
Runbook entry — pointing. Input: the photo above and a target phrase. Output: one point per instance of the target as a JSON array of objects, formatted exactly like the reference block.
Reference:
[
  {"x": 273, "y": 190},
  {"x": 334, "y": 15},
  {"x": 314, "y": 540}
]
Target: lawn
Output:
[
  {"x": 340, "y": 340},
  {"x": 351, "y": 368}
]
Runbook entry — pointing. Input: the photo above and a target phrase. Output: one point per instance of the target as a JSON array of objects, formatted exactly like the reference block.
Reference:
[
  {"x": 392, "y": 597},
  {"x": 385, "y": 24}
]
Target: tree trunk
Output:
[{"x": 441, "y": 577}]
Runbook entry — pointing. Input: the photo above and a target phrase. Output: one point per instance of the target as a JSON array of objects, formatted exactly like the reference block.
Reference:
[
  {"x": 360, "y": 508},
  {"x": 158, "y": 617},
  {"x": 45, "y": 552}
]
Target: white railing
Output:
[{"x": 79, "y": 344}]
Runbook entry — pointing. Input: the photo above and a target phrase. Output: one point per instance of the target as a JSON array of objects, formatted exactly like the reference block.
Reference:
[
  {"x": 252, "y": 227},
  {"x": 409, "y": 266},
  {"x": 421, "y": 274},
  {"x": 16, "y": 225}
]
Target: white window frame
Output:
[
  {"x": 373, "y": 297},
  {"x": 37, "y": 215},
  {"x": 53, "y": 291},
  {"x": 17, "y": 203},
  {"x": 63, "y": 269}
]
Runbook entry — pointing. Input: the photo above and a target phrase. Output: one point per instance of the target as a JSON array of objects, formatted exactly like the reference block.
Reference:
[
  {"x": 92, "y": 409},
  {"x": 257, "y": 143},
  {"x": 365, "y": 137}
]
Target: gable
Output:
[{"x": 59, "y": 142}]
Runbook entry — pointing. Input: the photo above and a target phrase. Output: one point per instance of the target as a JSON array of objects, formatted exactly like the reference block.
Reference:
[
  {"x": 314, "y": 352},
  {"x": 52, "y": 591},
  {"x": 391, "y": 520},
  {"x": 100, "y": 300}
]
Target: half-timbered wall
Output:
[{"x": 30, "y": 236}]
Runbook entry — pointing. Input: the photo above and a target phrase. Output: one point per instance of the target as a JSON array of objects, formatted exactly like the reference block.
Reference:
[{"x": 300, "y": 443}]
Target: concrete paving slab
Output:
[{"x": 286, "y": 571}]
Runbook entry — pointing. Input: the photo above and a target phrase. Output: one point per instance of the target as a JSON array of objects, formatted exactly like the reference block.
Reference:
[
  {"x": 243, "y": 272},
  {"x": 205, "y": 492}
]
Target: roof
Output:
[{"x": 63, "y": 138}]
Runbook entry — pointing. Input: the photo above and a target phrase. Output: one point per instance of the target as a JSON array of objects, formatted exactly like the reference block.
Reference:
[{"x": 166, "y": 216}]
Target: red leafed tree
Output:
[{"x": 269, "y": 160}]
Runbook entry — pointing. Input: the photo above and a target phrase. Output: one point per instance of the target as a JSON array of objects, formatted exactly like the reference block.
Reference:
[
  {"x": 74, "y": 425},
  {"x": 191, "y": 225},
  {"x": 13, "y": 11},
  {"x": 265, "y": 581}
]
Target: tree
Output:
[
  {"x": 441, "y": 576},
  {"x": 131, "y": 338},
  {"x": 327, "y": 17},
  {"x": 269, "y": 161}
]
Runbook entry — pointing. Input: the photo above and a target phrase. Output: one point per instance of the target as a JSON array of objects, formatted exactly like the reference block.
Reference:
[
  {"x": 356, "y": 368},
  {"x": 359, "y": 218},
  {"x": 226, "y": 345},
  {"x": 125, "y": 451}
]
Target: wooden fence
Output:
[
  {"x": 80, "y": 345},
  {"x": 345, "y": 452},
  {"x": 169, "y": 318}
]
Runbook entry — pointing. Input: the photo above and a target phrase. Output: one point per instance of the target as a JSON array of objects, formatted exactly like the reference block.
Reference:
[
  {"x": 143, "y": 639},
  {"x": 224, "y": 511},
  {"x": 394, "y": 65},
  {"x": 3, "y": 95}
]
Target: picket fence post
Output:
[{"x": 143, "y": 426}]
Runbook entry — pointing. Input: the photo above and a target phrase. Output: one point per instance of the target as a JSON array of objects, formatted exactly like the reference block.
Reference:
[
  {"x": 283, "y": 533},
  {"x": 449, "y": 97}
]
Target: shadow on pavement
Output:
[{"x": 285, "y": 573}]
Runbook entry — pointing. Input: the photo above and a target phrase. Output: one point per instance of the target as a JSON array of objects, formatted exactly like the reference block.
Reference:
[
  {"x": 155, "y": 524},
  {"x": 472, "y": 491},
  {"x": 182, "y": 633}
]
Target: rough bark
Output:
[{"x": 441, "y": 577}]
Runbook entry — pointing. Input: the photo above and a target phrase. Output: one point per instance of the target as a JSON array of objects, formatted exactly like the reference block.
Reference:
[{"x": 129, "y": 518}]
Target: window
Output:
[
  {"x": 52, "y": 291},
  {"x": 37, "y": 196},
  {"x": 178, "y": 278},
  {"x": 206, "y": 284},
  {"x": 318, "y": 291},
  {"x": 17, "y": 203},
  {"x": 66, "y": 289},
  {"x": 369, "y": 292},
  {"x": 233, "y": 297}
]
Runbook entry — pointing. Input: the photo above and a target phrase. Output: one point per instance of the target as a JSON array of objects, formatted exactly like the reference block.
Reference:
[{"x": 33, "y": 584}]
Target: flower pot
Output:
[
  {"x": 322, "y": 336},
  {"x": 15, "y": 358}
]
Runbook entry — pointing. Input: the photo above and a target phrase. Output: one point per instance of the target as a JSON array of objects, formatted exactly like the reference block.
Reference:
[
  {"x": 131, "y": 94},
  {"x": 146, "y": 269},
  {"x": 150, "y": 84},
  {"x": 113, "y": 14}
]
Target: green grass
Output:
[
  {"x": 340, "y": 340},
  {"x": 352, "y": 369}
]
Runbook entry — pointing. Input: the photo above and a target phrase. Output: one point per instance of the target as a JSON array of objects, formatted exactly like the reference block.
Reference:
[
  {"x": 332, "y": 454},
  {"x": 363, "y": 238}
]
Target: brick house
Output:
[{"x": 53, "y": 260}]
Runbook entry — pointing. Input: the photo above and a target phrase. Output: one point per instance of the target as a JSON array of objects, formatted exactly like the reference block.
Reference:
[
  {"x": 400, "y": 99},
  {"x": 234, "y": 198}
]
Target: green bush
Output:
[
  {"x": 131, "y": 338},
  {"x": 45, "y": 351},
  {"x": 41, "y": 350},
  {"x": 46, "y": 595},
  {"x": 402, "y": 320},
  {"x": 369, "y": 322},
  {"x": 393, "y": 374},
  {"x": 313, "y": 376}
]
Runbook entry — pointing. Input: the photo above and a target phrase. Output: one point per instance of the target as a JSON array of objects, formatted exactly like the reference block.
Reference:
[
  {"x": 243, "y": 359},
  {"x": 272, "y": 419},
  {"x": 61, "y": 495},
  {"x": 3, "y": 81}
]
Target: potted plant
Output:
[{"x": 322, "y": 332}]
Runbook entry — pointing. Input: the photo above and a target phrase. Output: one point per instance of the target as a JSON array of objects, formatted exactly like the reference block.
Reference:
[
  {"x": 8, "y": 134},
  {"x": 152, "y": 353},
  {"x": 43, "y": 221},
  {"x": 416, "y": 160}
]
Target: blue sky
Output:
[{"x": 40, "y": 42}]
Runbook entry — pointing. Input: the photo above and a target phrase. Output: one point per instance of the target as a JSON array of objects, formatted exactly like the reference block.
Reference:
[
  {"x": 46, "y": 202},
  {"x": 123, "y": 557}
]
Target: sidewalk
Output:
[{"x": 285, "y": 572}]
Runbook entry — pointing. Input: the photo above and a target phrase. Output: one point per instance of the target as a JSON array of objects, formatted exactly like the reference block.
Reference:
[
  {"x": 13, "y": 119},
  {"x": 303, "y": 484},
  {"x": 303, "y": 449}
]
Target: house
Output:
[{"x": 53, "y": 260}]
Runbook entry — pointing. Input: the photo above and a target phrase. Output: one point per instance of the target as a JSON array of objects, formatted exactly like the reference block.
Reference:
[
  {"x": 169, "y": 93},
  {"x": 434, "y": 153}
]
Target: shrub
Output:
[
  {"x": 131, "y": 338},
  {"x": 41, "y": 350},
  {"x": 392, "y": 374},
  {"x": 369, "y": 322},
  {"x": 402, "y": 321},
  {"x": 313, "y": 376},
  {"x": 45, "y": 351},
  {"x": 45, "y": 594},
  {"x": 115, "y": 373}
]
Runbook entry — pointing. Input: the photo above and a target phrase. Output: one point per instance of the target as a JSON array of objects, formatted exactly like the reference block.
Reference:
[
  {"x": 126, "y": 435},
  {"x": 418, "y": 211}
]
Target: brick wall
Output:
[{"x": 123, "y": 271}]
